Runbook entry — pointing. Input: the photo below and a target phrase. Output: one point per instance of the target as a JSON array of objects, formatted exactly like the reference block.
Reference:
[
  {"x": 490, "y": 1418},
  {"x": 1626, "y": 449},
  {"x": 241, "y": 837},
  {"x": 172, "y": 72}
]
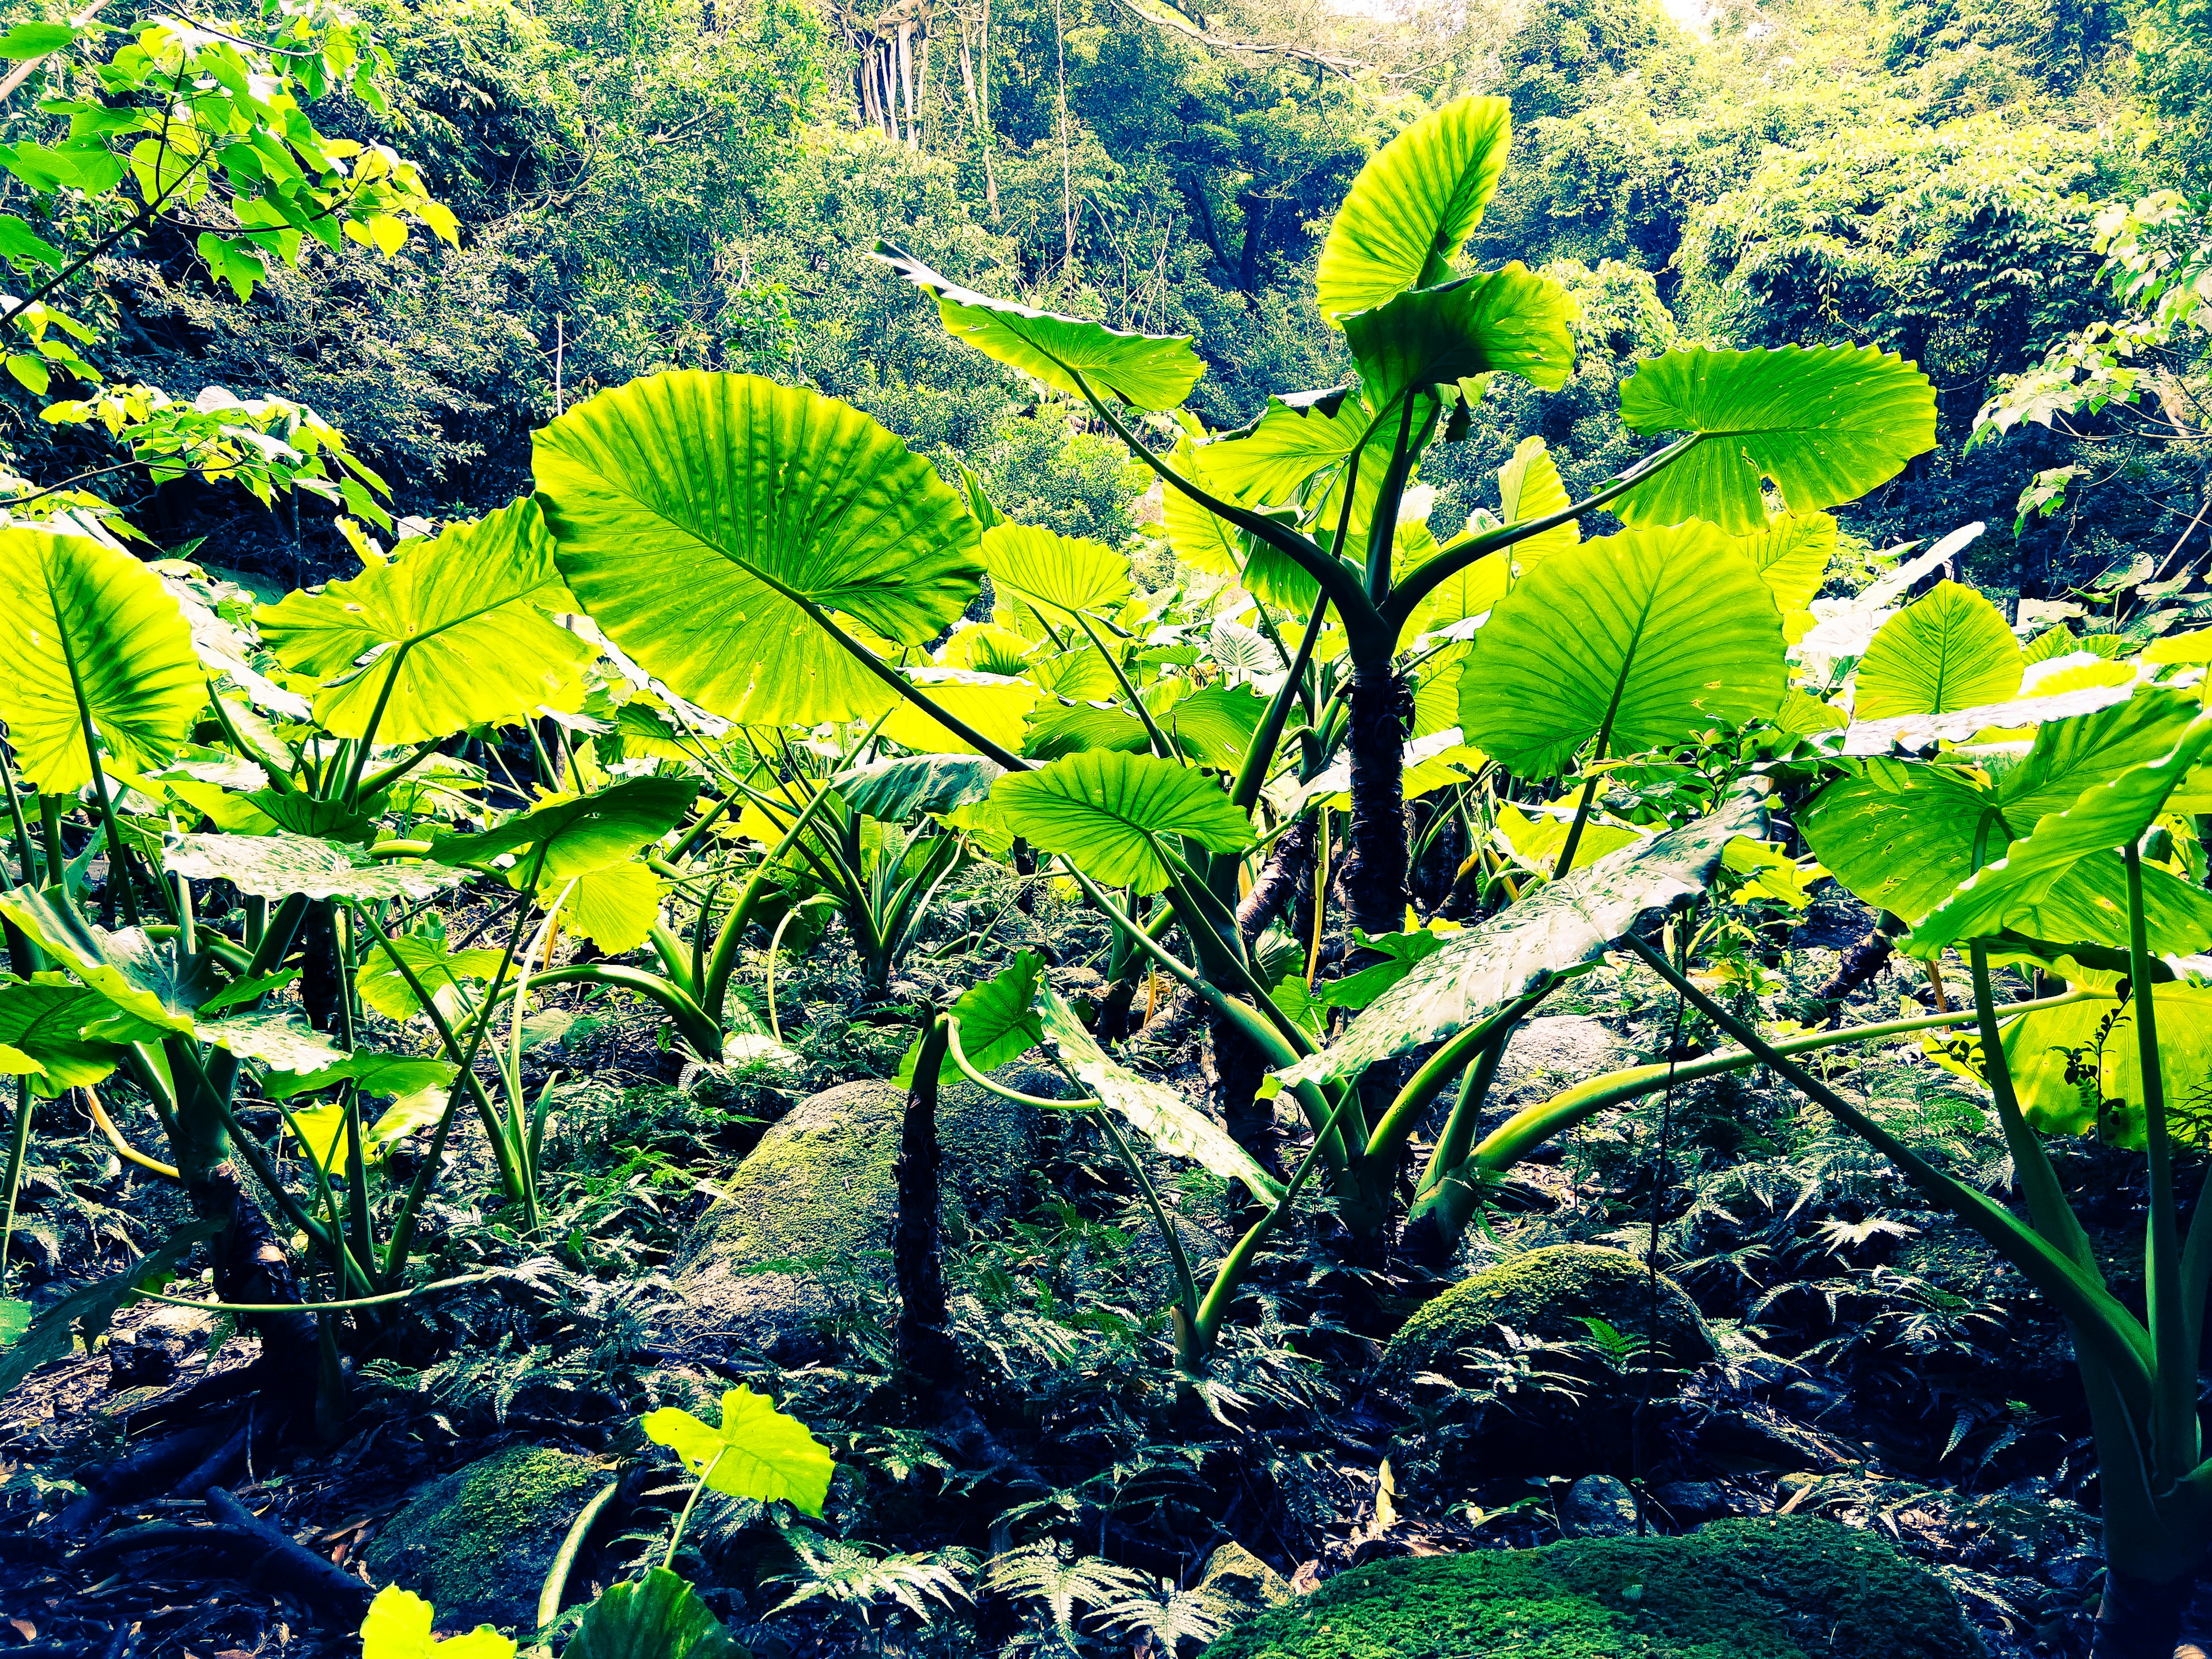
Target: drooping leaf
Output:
[
  {"x": 76, "y": 615},
  {"x": 1511, "y": 321},
  {"x": 900, "y": 791},
  {"x": 1102, "y": 809},
  {"x": 276, "y": 866},
  {"x": 1825, "y": 423},
  {"x": 758, "y": 1452},
  {"x": 1919, "y": 732},
  {"x": 706, "y": 521},
  {"x": 1413, "y": 205},
  {"x": 1658, "y": 633},
  {"x": 86, "y": 1312},
  {"x": 614, "y": 906},
  {"x": 1401, "y": 951},
  {"x": 1057, "y": 574},
  {"x": 1294, "y": 438},
  {"x": 2071, "y": 852},
  {"x": 659, "y": 1616},
  {"x": 139, "y": 977},
  {"x": 459, "y": 630},
  {"x": 1901, "y": 835},
  {"x": 2067, "y": 756},
  {"x": 45, "y": 1019},
  {"x": 1947, "y": 651},
  {"x": 1146, "y": 370},
  {"x": 1549, "y": 933},
  {"x": 371, "y": 1073},
  {"x": 998, "y": 1019},
  {"x": 398, "y": 1625},
  {"x": 1155, "y": 1110},
  {"x": 576, "y": 834},
  {"x": 1199, "y": 537}
]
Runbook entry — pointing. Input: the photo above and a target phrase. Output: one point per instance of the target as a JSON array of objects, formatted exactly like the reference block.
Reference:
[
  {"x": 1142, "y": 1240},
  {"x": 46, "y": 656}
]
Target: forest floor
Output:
[{"x": 1875, "y": 1363}]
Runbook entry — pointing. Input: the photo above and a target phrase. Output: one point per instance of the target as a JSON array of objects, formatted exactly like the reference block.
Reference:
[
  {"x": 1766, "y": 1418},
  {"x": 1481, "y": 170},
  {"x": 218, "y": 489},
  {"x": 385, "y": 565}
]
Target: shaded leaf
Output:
[{"x": 274, "y": 865}]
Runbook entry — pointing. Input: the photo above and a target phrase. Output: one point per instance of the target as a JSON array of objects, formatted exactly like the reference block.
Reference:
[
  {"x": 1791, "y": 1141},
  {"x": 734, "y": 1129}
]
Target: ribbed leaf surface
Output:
[
  {"x": 693, "y": 513},
  {"x": 1101, "y": 808},
  {"x": 78, "y": 615},
  {"x": 1413, "y": 206},
  {"x": 1949, "y": 650}
]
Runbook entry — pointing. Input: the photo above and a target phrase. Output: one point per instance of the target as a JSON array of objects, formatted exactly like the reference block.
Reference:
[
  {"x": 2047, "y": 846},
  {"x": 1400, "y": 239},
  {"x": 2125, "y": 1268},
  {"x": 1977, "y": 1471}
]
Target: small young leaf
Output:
[
  {"x": 397, "y": 1627},
  {"x": 757, "y": 1453}
]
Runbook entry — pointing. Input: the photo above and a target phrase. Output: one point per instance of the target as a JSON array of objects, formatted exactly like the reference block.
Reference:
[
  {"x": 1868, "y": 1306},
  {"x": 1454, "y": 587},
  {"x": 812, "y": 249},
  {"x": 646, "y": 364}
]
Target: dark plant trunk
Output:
[
  {"x": 251, "y": 1265},
  {"x": 2139, "y": 1620},
  {"x": 925, "y": 1348},
  {"x": 1861, "y": 963},
  {"x": 319, "y": 986},
  {"x": 1375, "y": 871}
]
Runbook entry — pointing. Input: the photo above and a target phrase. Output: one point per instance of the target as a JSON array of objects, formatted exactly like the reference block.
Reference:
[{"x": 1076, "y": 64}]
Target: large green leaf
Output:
[
  {"x": 1509, "y": 321},
  {"x": 996, "y": 707},
  {"x": 1413, "y": 205},
  {"x": 900, "y": 791},
  {"x": 1901, "y": 835},
  {"x": 279, "y": 865},
  {"x": 459, "y": 629},
  {"x": 1654, "y": 634},
  {"x": 1946, "y": 651},
  {"x": 138, "y": 975},
  {"x": 1792, "y": 553},
  {"x": 1104, "y": 810},
  {"x": 45, "y": 1018},
  {"x": 1056, "y": 573},
  {"x": 707, "y": 521},
  {"x": 1294, "y": 438},
  {"x": 577, "y": 833},
  {"x": 1155, "y": 1110},
  {"x": 2067, "y": 756},
  {"x": 1530, "y": 487},
  {"x": 75, "y": 615},
  {"x": 2072, "y": 852},
  {"x": 1214, "y": 725},
  {"x": 447, "y": 975},
  {"x": 2077, "y": 1070},
  {"x": 659, "y": 1616},
  {"x": 1825, "y": 423},
  {"x": 758, "y": 1452},
  {"x": 998, "y": 1019},
  {"x": 1148, "y": 371},
  {"x": 1553, "y": 931}
]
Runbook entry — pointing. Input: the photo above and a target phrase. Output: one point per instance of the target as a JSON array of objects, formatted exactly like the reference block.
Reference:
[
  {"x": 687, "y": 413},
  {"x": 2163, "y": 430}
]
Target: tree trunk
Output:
[
  {"x": 2139, "y": 1620},
  {"x": 319, "y": 985},
  {"x": 925, "y": 1348},
  {"x": 1375, "y": 869}
]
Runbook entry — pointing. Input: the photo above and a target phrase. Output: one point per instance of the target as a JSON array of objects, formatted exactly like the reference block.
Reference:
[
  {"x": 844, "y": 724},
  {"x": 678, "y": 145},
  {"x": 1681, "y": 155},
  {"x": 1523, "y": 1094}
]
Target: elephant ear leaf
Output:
[
  {"x": 1639, "y": 639},
  {"x": 456, "y": 631},
  {"x": 576, "y": 834},
  {"x": 899, "y": 791},
  {"x": 758, "y": 1452},
  {"x": 1511, "y": 321},
  {"x": 1413, "y": 206},
  {"x": 714, "y": 525},
  {"x": 277, "y": 866},
  {"x": 659, "y": 1616},
  {"x": 397, "y": 1627},
  {"x": 1155, "y": 1110},
  {"x": 1948, "y": 651},
  {"x": 2065, "y": 880},
  {"x": 1146, "y": 371},
  {"x": 81, "y": 619},
  {"x": 1554, "y": 931},
  {"x": 1105, "y": 810},
  {"x": 1057, "y": 574},
  {"x": 997, "y": 1022},
  {"x": 1825, "y": 423}
]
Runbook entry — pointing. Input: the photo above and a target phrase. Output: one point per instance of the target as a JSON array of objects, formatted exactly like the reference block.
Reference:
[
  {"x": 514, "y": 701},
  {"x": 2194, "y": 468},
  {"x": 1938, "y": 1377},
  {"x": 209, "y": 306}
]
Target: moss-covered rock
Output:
[
  {"x": 476, "y": 1543},
  {"x": 763, "y": 1270},
  {"x": 1548, "y": 1293},
  {"x": 1797, "y": 1587}
]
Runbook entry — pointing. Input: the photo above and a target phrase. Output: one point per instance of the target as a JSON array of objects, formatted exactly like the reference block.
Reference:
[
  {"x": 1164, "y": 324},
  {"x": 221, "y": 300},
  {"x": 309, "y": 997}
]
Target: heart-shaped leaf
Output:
[
  {"x": 757, "y": 1453},
  {"x": 1104, "y": 810}
]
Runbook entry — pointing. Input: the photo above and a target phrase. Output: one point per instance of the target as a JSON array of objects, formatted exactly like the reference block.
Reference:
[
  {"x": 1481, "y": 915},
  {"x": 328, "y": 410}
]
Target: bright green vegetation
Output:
[
  {"x": 1795, "y": 1588},
  {"x": 1078, "y": 620}
]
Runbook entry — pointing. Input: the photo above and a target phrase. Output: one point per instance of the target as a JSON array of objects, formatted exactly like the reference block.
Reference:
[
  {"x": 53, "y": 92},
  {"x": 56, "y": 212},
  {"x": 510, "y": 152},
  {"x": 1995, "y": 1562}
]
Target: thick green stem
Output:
[{"x": 2177, "y": 1436}]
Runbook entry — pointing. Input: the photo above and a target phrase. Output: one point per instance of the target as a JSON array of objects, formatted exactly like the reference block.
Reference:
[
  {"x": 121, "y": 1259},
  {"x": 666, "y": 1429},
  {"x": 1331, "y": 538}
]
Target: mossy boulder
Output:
[
  {"x": 1549, "y": 1293},
  {"x": 1795, "y": 1587},
  {"x": 820, "y": 1191},
  {"x": 476, "y": 1543}
]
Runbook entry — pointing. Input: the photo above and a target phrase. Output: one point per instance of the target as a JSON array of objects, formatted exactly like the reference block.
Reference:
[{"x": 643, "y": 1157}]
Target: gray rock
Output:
[
  {"x": 1549, "y": 1054},
  {"x": 476, "y": 1543},
  {"x": 817, "y": 1196},
  {"x": 1685, "y": 1501},
  {"x": 1598, "y": 1506},
  {"x": 1236, "y": 1575},
  {"x": 151, "y": 1353}
]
